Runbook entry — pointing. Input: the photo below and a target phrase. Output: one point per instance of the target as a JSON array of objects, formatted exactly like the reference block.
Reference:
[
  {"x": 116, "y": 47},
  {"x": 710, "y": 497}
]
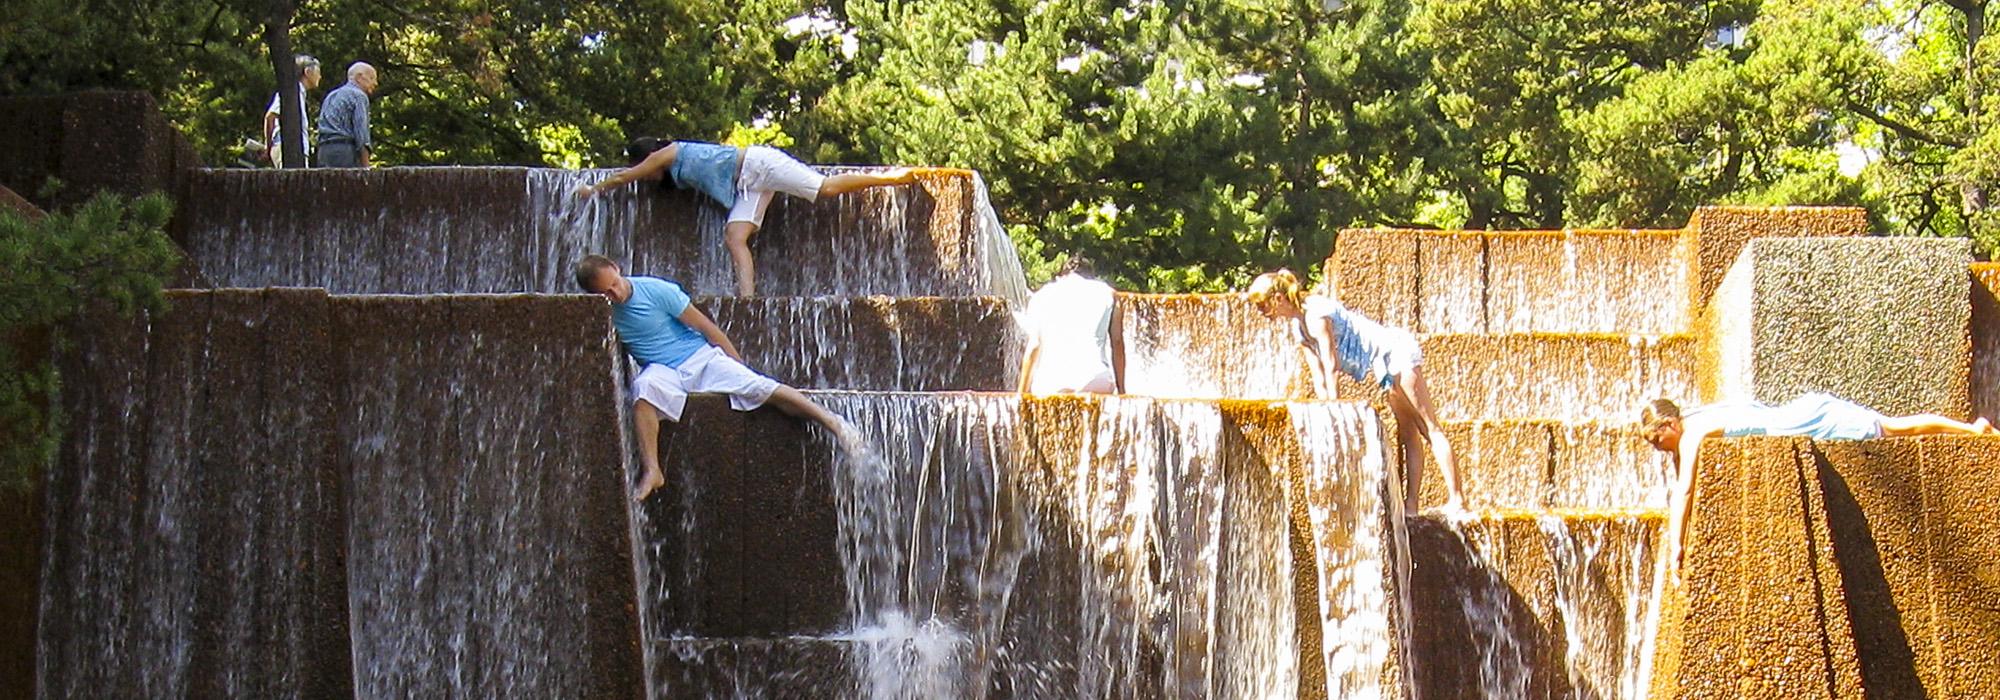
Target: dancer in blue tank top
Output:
[
  {"x": 1334, "y": 336},
  {"x": 741, "y": 179},
  {"x": 1818, "y": 416}
]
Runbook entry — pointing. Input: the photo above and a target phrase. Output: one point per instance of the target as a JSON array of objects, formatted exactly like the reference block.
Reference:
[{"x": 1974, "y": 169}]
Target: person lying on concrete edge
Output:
[
  {"x": 680, "y": 351},
  {"x": 742, "y": 180},
  {"x": 1076, "y": 335},
  {"x": 1334, "y": 336},
  {"x": 1820, "y": 416}
]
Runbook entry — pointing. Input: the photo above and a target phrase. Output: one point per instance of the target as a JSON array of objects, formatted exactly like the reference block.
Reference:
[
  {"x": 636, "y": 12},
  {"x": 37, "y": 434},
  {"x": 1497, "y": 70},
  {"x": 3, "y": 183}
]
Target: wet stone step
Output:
[
  {"x": 492, "y": 230},
  {"x": 1534, "y": 465}
]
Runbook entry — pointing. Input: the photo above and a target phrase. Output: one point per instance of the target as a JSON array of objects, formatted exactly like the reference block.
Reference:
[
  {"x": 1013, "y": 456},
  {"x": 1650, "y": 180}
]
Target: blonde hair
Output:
[
  {"x": 1279, "y": 283},
  {"x": 1656, "y": 414}
]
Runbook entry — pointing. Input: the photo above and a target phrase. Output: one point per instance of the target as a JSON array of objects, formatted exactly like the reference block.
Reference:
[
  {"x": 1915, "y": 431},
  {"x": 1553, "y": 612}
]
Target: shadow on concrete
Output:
[{"x": 1888, "y": 665}]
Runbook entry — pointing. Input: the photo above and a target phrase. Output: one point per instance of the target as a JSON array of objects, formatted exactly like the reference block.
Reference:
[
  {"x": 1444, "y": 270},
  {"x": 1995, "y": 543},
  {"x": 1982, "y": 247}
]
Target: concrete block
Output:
[
  {"x": 1985, "y": 319},
  {"x": 1875, "y": 505},
  {"x": 1563, "y": 377},
  {"x": 486, "y": 230},
  {"x": 1452, "y": 282},
  {"x": 1502, "y": 464},
  {"x": 1722, "y": 231},
  {"x": 1375, "y": 273},
  {"x": 1588, "y": 281},
  {"x": 1963, "y": 530},
  {"x": 9, "y": 201},
  {"x": 1209, "y": 345},
  {"x": 1600, "y": 466},
  {"x": 1884, "y": 322},
  {"x": 875, "y": 343}
]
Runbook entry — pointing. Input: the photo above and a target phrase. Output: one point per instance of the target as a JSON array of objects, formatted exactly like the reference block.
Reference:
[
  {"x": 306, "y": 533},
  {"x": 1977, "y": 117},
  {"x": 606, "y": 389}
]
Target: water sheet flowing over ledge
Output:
[
  {"x": 277, "y": 493},
  {"x": 999, "y": 548},
  {"x": 485, "y": 230}
]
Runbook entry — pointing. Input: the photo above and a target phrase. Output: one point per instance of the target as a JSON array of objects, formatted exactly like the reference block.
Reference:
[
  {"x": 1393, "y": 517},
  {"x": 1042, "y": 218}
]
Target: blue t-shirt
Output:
[
  {"x": 708, "y": 167},
  {"x": 650, "y": 324}
]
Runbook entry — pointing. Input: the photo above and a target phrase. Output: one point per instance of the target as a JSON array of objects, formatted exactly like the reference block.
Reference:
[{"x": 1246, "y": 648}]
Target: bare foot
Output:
[
  {"x": 650, "y": 483},
  {"x": 1985, "y": 426}
]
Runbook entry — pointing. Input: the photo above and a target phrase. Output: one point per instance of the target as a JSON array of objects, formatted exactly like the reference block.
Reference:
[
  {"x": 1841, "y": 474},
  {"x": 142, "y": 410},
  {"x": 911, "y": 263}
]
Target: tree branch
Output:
[{"x": 1901, "y": 129}]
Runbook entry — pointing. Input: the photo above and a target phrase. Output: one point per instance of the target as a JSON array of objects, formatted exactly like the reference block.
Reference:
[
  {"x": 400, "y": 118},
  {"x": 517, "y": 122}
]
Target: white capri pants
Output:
[
  {"x": 767, "y": 171},
  {"x": 708, "y": 370}
]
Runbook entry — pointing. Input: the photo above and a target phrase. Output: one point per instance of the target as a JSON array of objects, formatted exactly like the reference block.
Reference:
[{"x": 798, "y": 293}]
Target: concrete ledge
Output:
[
  {"x": 1270, "y": 505},
  {"x": 1577, "y": 378},
  {"x": 1209, "y": 346},
  {"x": 1722, "y": 231},
  {"x": 1499, "y": 599},
  {"x": 91, "y": 141},
  {"x": 1984, "y": 383},
  {"x": 1539, "y": 465},
  {"x": 487, "y": 230},
  {"x": 876, "y": 343},
  {"x": 1884, "y": 322},
  {"x": 276, "y": 492}
]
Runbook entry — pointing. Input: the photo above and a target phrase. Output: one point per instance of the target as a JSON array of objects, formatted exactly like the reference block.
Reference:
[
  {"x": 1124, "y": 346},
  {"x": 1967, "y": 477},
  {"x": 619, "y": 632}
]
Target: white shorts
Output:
[
  {"x": 708, "y": 370},
  {"x": 766, "y": 171}
]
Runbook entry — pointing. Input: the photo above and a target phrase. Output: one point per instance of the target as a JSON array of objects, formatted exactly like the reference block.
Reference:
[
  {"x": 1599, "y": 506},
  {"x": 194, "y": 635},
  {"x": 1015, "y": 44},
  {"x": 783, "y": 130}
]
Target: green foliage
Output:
[
  {"x": 109, "y": 254},
  {"x": 1185, "y": 145}
]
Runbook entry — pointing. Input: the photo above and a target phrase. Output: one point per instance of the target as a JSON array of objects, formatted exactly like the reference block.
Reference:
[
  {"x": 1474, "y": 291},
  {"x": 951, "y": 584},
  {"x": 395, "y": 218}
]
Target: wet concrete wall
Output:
[
  {"x": 91, "y": 141},
  {"x": 1837, "y": 569},
  {"x": 1209, "y": 346},
  {"x": 1884, "y": 322},
  {"x": 432, "y": 230},
  {"x": 194, "y": 533},
  {"x": 1575, "y": 281},
  {"x": 1532, "y": 605},
  {"x": 1538, "y": 465},
  {"x": 1721, "y": 232},
  {"x": 1984, "y": 383},
  {"x": 283, "y": 494},
  {"x": 1063, "y": 546},
  {"x": 1576, "y": 378},
  {"x": 875, "y": 343}
]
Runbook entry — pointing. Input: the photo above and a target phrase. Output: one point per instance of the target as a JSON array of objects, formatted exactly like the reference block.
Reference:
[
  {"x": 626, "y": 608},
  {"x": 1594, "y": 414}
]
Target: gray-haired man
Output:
[
  {"x": 343, "y": 120},
  {"x": 308, "y": 79}
]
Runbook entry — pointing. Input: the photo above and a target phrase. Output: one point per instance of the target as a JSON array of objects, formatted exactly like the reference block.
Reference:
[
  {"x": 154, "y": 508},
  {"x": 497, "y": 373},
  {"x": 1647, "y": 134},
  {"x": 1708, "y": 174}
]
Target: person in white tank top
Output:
[{"x": 1076, "y": 340}]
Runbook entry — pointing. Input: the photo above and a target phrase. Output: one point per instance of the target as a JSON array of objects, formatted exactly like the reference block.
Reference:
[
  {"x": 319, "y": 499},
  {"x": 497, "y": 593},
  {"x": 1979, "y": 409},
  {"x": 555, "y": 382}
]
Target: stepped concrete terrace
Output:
[{"x": 453, "y": 517}]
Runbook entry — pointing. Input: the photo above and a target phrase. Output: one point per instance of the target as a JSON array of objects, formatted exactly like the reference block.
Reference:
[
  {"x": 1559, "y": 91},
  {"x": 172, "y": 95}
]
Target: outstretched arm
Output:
[
  {"x": 697, "y": 320},
  {"x": 1681, "y": 504},
  {"x": 654, "y": 164}
]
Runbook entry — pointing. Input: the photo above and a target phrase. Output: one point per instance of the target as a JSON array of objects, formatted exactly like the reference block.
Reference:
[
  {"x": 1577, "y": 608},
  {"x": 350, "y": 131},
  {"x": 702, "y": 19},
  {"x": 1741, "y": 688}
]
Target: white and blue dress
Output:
[
  {"x": 1815, "y": 415},
  {"x": 1362, "y": 346}
]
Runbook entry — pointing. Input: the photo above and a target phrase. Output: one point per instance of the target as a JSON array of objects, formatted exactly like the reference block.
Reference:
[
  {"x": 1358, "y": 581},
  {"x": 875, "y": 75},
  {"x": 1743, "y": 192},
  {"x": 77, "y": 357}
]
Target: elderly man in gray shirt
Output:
[{"x": 343, "y": 120}]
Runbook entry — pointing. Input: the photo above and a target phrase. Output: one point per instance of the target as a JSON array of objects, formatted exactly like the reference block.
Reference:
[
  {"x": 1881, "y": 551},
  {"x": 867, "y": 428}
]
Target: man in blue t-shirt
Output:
[
  {"x": 681, "y": 351},
  {"x": 742, "y": 180}
]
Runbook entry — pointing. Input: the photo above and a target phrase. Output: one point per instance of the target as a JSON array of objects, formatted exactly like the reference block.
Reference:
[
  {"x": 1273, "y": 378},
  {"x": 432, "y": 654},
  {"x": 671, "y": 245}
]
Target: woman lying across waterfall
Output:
[
  {"x": 680, "y": 351},
  {"x": 1821, "y": 416},
  {"x": 1331, "y": 335},
  {"x": 742, "y": 180}
]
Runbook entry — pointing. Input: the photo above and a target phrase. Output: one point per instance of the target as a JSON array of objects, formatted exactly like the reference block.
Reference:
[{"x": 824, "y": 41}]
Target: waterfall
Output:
[{"x": 488, "y": 230}]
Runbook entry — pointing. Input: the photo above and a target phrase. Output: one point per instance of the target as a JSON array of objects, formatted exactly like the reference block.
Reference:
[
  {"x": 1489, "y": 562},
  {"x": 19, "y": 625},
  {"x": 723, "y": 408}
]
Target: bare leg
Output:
[
  {"x": 849, "y": 182},
  {"x": 1417, "y": 393},
  {"x": 1409, "y": 430},
  {"x": 647, "y": 420},
  {"x": 736, "y": 237},
  {"x": 794, "y": 403},
  {"x": 1929, "y": 424}
]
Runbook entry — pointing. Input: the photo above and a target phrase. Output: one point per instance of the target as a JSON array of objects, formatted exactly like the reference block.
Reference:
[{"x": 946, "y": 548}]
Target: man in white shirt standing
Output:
[
  {"x": 308, "y": 79},
  {"x": 1076, "y": 336}
]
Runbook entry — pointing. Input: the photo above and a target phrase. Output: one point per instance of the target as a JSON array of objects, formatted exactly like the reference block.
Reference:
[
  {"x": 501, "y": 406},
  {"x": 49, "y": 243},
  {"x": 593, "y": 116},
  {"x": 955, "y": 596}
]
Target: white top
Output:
[
  {"x": 1071, "y": 317},
  {"x": 305, "y": 124}
]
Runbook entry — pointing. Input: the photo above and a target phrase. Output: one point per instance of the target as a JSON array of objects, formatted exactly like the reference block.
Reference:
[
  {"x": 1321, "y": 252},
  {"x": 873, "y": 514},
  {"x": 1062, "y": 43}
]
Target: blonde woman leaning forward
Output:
[{"x": 1333, "y": 336}]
